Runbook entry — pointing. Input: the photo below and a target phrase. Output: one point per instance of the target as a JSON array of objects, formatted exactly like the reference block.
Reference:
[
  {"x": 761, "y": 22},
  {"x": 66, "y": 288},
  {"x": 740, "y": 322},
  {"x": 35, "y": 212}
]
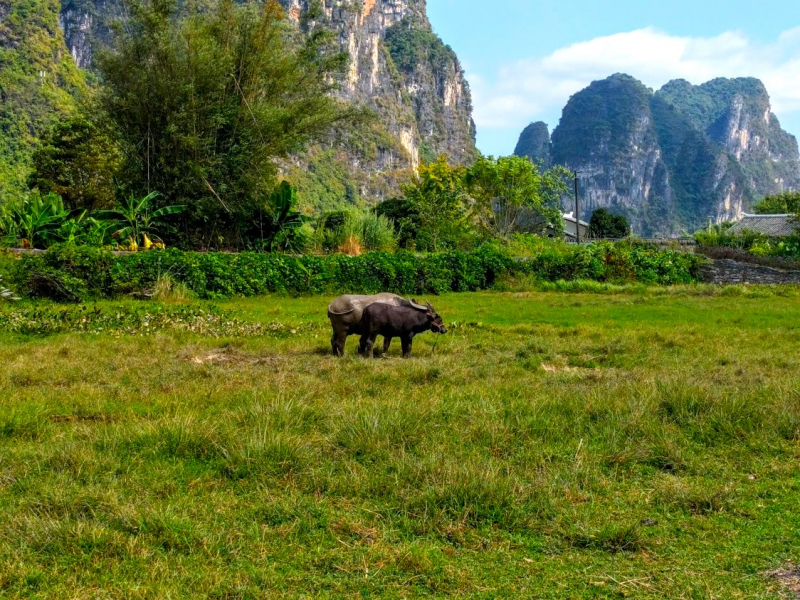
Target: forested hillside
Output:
[{"x": 399, "y": 69}]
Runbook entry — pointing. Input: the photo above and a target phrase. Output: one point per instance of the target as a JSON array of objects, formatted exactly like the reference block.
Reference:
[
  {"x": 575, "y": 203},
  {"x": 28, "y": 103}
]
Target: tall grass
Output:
[
  {"x": 359, "y": 232},
  {"x": 169, "y": 291}
]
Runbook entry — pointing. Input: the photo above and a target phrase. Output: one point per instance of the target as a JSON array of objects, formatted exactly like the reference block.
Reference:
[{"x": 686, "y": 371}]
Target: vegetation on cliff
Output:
[
  {"x": 411, "y": 45},
  {"x": 703, "y": 105},
  {"x": 602, "y": 119},
  {"x": 723, "y": 110},
  {"x": 39, "y": 84}
]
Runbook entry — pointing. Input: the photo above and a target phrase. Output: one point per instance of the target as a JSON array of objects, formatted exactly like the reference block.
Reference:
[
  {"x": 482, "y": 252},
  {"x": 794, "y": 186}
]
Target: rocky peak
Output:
[
  {"x": 672, "y": 160},
  {"x": 534, "y": 142},
  {"x": 736, "y": 115}
]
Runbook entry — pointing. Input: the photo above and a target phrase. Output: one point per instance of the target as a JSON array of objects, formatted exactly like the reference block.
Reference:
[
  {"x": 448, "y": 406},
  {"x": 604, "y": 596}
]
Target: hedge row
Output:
[{"x": 82, "y": 273}]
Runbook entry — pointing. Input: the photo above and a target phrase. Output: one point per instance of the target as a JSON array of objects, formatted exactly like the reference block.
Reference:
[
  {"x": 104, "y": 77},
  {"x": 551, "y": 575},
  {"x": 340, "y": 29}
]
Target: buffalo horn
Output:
[{"x": 418, "y": 306}]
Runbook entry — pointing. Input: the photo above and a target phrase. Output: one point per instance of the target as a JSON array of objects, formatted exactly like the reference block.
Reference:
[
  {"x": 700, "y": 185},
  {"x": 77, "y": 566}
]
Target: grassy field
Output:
[{"x": 555, "y": 445}]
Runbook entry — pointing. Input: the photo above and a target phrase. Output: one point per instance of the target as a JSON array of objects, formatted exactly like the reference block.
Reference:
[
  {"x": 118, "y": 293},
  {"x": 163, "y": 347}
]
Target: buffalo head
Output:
[{"x": 435, "y": 320}]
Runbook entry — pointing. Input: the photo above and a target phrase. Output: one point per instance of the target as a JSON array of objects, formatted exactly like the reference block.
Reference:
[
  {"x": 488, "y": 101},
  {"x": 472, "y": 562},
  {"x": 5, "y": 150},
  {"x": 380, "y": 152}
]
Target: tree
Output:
[
  {"x": 78, "y": 161},
  {"x": 404, "y": 216},
  {"x": 604, "y": 224},
  {"x": 437, "y": 198},
  {"x": 511, "y": 195},
  {"x": 779, "y": 204},
  {"x": 206, "y": 103}
]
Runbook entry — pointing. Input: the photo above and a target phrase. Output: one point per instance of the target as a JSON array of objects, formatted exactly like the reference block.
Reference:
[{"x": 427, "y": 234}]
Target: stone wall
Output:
[{"x": 726, "y": 271}]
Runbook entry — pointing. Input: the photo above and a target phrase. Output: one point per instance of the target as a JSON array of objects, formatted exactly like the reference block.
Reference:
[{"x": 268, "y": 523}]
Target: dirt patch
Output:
[
  {"x": 547, "y": 368},
  {"x": 556, "y": 369},
  {"x": 100, "y": 418},
  {"x": 789, "y": 578},
  {"x": 228, "y": 356}
]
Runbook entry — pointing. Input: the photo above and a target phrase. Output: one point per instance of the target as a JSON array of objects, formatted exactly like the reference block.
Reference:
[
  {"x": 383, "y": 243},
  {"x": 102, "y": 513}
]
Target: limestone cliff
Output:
[
  {"x": 735, "y": 114},
  {"x": 399, "y": 68},
  {"x": 673, "y": 160}
]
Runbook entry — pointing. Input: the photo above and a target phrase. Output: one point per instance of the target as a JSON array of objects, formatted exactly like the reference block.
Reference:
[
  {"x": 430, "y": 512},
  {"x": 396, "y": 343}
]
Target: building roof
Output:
[
  {"x": 769, "y": 225},
  {"x": 571, "y": 218}
]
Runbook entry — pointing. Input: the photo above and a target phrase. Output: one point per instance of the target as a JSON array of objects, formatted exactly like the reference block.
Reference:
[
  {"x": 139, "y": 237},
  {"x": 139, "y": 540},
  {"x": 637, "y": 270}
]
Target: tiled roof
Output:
[{"x": 770, "y": 225}]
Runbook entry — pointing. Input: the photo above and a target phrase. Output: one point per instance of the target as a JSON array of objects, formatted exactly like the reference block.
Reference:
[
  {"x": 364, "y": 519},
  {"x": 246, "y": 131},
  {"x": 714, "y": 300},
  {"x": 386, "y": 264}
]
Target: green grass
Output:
[{"x": 556, "y": 445}]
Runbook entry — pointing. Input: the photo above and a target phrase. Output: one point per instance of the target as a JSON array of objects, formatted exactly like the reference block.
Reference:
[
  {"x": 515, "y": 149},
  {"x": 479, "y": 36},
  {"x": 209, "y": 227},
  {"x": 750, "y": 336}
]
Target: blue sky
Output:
[{"x": 524, "y": 58}]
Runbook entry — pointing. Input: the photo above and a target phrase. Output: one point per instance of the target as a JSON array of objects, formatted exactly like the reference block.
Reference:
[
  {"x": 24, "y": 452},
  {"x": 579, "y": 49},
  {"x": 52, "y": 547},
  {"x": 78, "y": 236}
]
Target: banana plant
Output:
[
  {"x": 136, "y": 219},
  {"x": 35, "y": 219},
  {"x": 82, "y": 229},
  {"x": 280, "y": 223}
]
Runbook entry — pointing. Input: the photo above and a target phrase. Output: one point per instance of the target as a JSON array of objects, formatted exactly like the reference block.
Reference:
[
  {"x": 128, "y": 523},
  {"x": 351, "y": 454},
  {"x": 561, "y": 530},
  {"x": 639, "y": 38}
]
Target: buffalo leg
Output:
[
  {"x": 406, "y": 341},
  {"x": 337, "y": 343},
  {"x": 362, "y": 344},
  {"x": 366, "y": 345},
  {"x": 387, "y": 341}
]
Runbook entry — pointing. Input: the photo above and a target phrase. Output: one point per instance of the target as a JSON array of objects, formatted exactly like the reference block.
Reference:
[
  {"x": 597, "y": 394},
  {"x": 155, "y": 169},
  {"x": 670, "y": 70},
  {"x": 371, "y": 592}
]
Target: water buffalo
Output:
[
  {"x": 345, "y": 315},
  {"x": 397, "y": 321}
]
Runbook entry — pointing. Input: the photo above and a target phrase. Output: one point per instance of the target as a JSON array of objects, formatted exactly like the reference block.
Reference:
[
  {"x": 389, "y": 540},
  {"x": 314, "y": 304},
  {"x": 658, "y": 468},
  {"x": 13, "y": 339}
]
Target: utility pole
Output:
[{"x": 577, "y": 213}]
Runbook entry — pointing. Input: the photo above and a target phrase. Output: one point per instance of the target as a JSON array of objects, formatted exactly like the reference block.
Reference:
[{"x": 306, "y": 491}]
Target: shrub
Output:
[
  {"x": 377, "y": 232},
  {"x": 779, "y": 204},
  {"x": 80, "y": 273},
  {"x": 604, "y": 224}
]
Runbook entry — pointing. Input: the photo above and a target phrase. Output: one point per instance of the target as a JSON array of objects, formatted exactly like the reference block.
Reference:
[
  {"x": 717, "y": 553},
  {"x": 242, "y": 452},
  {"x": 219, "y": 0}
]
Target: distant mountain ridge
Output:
[{"x": 672, "y": 160}]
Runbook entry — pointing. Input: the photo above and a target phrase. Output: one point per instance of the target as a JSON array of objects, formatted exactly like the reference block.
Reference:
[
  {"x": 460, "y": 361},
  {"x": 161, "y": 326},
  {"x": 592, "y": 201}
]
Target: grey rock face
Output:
[{"x": 87, "y": 26}]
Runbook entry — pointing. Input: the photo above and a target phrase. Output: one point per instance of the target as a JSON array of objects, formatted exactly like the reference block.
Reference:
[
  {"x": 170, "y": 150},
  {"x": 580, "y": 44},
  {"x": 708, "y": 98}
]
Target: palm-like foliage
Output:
[
  {"x": 36, "y": 218},
  {"x": 279, "y": 223},
  {"x": 81, "y": 229},
  {"x": 135, "y": 217}
]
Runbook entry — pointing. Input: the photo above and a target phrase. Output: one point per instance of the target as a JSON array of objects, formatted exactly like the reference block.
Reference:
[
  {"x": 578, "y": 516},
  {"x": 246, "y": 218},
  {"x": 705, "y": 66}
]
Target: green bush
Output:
[{"x": 83, "y": 273}]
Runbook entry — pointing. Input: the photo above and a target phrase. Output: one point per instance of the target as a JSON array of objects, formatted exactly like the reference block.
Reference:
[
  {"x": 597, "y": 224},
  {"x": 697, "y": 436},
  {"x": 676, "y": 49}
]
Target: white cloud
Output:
[{"x": 538, "y": 88}]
